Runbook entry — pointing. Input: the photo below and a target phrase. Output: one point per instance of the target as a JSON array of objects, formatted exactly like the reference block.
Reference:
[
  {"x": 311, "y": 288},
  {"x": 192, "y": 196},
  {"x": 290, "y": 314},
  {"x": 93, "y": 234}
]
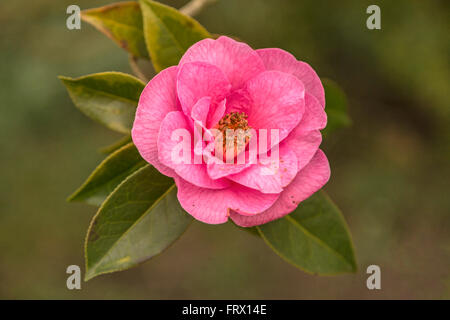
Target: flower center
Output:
[
  {"x": 235, "y": 132},
  {"x": 233, "y": 121}
]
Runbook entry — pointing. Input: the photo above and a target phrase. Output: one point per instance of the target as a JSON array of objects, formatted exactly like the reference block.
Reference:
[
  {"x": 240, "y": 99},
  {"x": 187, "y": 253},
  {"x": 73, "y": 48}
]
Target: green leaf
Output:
[
  {"x": 140, "y": 219},
  {"x": 168, "y": 33},
  {"x": 251, "y": 230},
  {"x": 110, "y": 98},
  {"x": 336, "y": 107},
  {"x": 108, "y": 175},
  {"x": 116, "y": 145},
  {"x": 314, "y": 237},
  {"x": 122, "y": 22}
]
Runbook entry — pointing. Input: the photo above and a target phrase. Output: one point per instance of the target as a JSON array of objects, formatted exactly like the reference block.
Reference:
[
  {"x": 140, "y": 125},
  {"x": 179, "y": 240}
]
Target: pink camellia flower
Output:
[{"x": 224, "y": 84}]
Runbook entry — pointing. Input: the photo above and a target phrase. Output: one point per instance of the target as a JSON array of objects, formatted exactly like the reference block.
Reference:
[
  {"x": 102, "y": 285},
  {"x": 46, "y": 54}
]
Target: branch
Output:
[{"x": 194, "y": 7}]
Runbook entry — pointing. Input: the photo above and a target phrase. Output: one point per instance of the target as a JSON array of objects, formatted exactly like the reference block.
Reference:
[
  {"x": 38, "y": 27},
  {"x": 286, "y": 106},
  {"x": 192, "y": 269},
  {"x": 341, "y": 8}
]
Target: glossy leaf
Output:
[
  {"x": 314, "y": 237},
  {"x": 336, "y": 107},
  {"x": 122, "y": 22},
  {"x": 140, "y": 219},
  {"x": 251, "y": 230},
  {"x": 110, "y": 98},
  {"x": 108, "y": 175},
  {"x": 116, "y": 145},
  {"x": 168, "y": 33}
]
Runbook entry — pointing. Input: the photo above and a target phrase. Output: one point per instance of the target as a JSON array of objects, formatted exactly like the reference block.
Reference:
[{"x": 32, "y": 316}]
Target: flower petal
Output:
[
  {"x": 236, "y": 59},
  {"x": 277, "y": 102},
  {"x": 269, "y": 176},
  {"x": 199, "y": 79},
  {"x": 306, "y": 138},
  {"x": 314, "y": 117},
  {"x": 216, "y": 113},
  {"x": 173, "y": 124},
  {"x": 308, "y": 181},
  {"x": 200, "y": 110},
  {"x": 157, "y": 99},
  {"x": 278, "y": 59},
  {"x": 213, "y": 206},
  {"x": 218, "y": 170},
  {"x": 199, "y": 116},
  {"x": 305, "y": 145}
]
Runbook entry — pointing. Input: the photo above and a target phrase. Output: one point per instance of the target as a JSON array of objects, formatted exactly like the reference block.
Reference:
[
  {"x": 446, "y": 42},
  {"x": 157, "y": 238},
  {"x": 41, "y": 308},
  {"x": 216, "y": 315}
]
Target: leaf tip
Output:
[
  {"x": 72, "y": 197},
  {"x": 89, "y": 275},
  {"x": 65, "y": 79}
]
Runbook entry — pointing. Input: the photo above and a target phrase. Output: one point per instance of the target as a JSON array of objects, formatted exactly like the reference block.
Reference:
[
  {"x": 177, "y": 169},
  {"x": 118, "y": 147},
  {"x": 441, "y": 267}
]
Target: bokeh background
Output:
[{"x": 390, "y": 169}]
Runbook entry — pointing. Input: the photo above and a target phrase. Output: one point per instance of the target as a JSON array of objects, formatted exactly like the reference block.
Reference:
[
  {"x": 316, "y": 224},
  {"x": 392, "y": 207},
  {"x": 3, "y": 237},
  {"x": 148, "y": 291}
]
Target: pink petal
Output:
[
  {"x": 269, "y": 177},
  {"x": 306, "y": 138},
  {"x": 314, "y": 117},
  {"x": 238, "y": 101},
  {"x": 277, "y": 102},
  {"x": 194, "y": 173},
  {"x": 157, "y": 99},
  {"x": 199, "y": 115},
  {"x": 308, "y": 181},
  {"x": 277, "y": 59},
  {"x": 236, "y": 59},
  {"x": 200, "y": 110},
  {"x": 213, "y": 206},
  {"x": 220, "y": 170},
  {"x": 199, "y": 79},
  {"x": 304, "y": 143},
  {"x": 216, "y": 114}
]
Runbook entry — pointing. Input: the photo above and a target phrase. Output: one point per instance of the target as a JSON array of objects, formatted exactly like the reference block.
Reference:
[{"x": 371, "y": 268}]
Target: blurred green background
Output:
[{"x": 390, "y": 169}]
